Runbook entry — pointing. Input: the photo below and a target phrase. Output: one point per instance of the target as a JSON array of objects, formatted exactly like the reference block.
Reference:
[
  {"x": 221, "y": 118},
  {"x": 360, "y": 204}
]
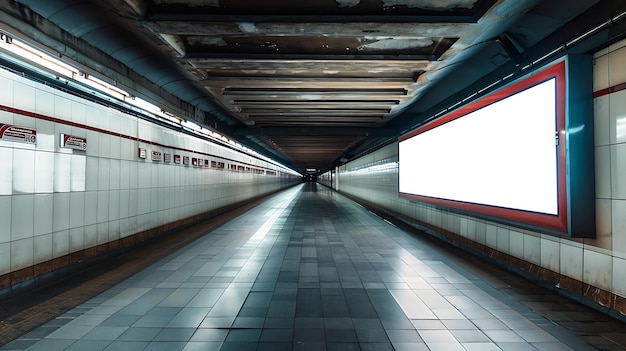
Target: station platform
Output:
[{"x": 305, "y": 269}]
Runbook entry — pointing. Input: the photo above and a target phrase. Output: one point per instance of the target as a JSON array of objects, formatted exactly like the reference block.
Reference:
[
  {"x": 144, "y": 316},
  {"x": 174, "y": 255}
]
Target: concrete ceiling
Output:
[{"x": 310, "y": 83}]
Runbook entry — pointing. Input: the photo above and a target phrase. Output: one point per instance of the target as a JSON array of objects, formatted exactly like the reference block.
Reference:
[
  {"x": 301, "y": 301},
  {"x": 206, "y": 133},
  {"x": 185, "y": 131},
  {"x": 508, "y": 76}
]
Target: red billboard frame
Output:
[{"x": 557, "y": 222}]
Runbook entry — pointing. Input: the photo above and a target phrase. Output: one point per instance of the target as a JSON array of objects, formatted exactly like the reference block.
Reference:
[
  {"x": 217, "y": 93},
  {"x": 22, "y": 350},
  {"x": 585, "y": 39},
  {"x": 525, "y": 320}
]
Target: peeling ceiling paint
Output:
[
  {"x": 247, "y": 27},
  {"x": 431, "y": 4},
  {"x": 395, "y": 44},
  {"x": 207, "y": 41},
  {"x": 348, "y": 3}
]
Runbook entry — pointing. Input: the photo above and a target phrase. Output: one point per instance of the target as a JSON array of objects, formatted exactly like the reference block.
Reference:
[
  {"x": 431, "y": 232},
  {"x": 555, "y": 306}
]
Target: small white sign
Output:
[
  {"x": 157, "y": 156},
  {"x": 18, "y": 134},
  {"x": 73, "y": 142}
]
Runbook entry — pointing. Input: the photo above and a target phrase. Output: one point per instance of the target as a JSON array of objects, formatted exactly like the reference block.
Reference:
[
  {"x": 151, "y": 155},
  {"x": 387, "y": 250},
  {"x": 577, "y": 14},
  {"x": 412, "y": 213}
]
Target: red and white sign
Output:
[
  {"x": 157, "y": 156},
  {"x": 73, "y": 142},
  {"x": 177, "y": 159},
  {"x": 18, "y": 134}
]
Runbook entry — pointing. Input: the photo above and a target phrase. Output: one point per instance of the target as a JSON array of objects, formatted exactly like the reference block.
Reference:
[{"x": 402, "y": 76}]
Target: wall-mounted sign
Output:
[
  {"x": 186, "y": 160},
  {"x": 167, "y": 158},
  {"x": 177, "y": 159},
  {"x": 72, "y": 142},
  {"x": 18, "y": 134},
  {"x": 143, "y": 153},
  {"x": 195, "y": 162},
  {"x": 206, "y": 163},
  {"x": 157, "y": 156}
]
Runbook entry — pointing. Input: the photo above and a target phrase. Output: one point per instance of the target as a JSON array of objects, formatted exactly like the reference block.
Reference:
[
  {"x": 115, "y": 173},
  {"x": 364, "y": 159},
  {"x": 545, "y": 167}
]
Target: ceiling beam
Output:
[
  {"x": 351, "y": 57},
  {"x": 329, "y": 78},
  {"x": 202, "y": 17},
  {"x": 317, "y": 93},
  {"x": 316, "y": 98},
  {"x": 314, "y": 131}
]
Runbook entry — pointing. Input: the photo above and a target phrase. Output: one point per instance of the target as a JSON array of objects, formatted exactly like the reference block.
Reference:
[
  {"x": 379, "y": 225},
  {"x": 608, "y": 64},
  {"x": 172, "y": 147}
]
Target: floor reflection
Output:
[{"x": 305, "y": 270}]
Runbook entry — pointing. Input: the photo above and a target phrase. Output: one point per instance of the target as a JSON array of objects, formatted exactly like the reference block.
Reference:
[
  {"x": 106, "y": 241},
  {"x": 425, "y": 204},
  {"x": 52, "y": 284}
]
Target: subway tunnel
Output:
[{"x": 328, "y": 175}]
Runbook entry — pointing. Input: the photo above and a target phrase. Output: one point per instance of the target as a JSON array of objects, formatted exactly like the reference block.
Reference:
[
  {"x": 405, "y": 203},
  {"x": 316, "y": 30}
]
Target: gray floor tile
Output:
[{"x": 327, "y": 276}]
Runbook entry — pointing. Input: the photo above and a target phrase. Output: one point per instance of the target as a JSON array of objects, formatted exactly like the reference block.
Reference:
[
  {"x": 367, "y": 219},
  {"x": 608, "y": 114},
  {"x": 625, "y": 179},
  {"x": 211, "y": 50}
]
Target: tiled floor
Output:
[{"x": 305, "y": 270}]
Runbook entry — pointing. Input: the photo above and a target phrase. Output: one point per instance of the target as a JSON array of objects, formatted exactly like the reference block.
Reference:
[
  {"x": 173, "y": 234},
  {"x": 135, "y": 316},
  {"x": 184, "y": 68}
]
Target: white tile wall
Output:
[
  {"x": 24, "y": 121},
  {"x": 114, "y": 174},
  {"x": 617, "y": 73},
  {"x": 91, "y": 207},
  {"x": 491, "y": 235},
  {"x": 5, "y": 218},
  {"x": 603, "y": 171},
  {"x": 22, "y": 253},
  {"x": 42, "y": 250},
  {"x": 24, "y": 96},
  {"x": 103, "y": 232},
  {"x": 78, "y": 172},
  {"x": 598, "y": 269},
  {"x": 618, "y": 171},
  {"x": 124, "y": 203},
  {"x": 618, "y": 223},
  {"x": 5, "y": 258},
  {"x": 6, "y": 172},
  {"x": 103, "y": 207},
  {"x": 601, "y": 72},
  {"x": 60, "y": 243},
  {"x": 604, "y": 227},
  {"x": 91, "y": 235},
  {"x": 77, "y": 209},
  {"x": 23, "y": 171},
  {"x": 44, "y": 102},
  {"x": 602, "y": 120},
  {"x": 115, "y": 148},
  {"x": 76, "y": 239},
  {"x": 54, "y": 201},
  {"x": 617, "y": 117},
  {"x": 551, "y": 253},
  {"x": 62, "y": 172},
  {"x": 78, "y": 112},
  {"x": 22, "y": 214},
  {"x": 619, "y": 283},
  {"x": 93, "y": 141},
  {"x": 133, "y": 203},
  {"x": 91, "y": 173},
  {"x": 516, "y": 243},
  {"x": 114, "y": 205},
  {"x": 44, "y": 171},
  {"x": 114, "y": 229},
  {"x": 532, "y": 248},
  {"x": 104, "y": 122},
  {"x": 46, "y": 138},
  {"x": 571, "y": 261},
  {"x": 503, "y": 238},
  {"x": 91, "y": 119},
  {"x": 6, "y": 82},
  {"x": 43, "y": 212},
  {"x": 62, "y": 108},
  {"x": 61, "y": 212}
]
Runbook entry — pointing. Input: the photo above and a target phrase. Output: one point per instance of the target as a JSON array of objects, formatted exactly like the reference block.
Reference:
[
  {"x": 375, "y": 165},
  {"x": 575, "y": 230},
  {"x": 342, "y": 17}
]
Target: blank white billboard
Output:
[{"x": 503, "y": 154}]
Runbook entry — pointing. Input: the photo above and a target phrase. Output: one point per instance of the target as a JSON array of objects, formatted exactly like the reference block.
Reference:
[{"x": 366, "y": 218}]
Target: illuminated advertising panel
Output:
[{"x": 505, "y": 156}]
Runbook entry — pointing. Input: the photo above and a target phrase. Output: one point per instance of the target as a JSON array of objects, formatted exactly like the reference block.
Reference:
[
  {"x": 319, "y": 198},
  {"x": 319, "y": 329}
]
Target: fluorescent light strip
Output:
[{"x": 26, "y": 53}]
